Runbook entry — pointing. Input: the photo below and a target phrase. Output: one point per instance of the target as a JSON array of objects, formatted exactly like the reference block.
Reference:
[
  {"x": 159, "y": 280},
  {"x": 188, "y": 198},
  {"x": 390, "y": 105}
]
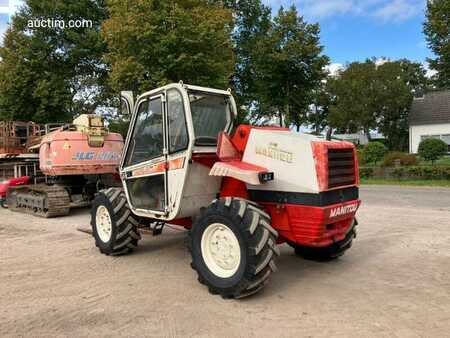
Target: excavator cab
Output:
[{"x": 170, "y": 128}]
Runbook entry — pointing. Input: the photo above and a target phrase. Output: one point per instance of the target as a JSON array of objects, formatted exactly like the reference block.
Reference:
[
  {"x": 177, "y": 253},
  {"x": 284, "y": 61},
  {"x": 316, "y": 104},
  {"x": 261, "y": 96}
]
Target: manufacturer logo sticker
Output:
[
  {"x": 343, "y": 210},
  {"x": 102, "y": 156},
  {"x": 272, "y": 151}
]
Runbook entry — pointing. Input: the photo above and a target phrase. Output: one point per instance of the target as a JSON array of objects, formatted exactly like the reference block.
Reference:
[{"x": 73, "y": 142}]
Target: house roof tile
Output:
[{"x": 433, "y": 108}]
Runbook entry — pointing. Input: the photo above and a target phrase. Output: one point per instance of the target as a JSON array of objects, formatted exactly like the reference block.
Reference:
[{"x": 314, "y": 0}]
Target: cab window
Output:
[
  {"x": 178, "y": 135},
  {"x": 211, "y": 114},
  {"x": 147, "y": 141}
]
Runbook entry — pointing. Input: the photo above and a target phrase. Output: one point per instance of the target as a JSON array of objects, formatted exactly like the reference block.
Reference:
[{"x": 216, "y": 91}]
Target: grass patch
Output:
[{"x": 421, "y": 183}]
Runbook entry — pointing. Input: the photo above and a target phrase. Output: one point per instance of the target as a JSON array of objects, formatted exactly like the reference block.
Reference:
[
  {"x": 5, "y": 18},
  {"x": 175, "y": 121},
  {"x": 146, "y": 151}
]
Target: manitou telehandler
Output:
[{"x": 240, "y": 190}]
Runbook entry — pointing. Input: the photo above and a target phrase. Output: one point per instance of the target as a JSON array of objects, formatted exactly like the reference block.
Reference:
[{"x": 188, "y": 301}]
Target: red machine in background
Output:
[
  {"x": 13, "y": 182},
  {"x": 75, "y": 161}
]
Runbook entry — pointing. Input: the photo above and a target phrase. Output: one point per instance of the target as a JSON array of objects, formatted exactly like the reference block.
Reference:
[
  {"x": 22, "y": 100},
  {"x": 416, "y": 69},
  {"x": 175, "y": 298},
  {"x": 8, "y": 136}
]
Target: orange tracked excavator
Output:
[{"x": 75, "y": 161}]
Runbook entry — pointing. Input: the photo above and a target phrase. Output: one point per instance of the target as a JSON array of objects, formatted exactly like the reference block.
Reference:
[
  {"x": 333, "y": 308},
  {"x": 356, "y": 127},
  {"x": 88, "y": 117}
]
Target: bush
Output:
[
  {"x": 361, "y": 158},
  {"x": 374, "y": 151},
  {"x": 366, "y": 172},
  {"x": 432, "y": 149},
  {"x": 403, "y": 158}
]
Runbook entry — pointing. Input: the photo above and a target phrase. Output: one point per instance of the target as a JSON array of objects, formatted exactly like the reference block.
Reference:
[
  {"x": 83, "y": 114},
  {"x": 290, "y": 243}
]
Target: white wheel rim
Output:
[
  {"x": 103, "y": 224},
  {"x": 221, "y": 250}
]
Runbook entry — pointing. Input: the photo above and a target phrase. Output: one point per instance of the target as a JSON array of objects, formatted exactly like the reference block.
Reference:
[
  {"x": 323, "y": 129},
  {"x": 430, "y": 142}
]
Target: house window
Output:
[
  {"x": 446, "y": 139},
  {"x": 424, "y": 137}
]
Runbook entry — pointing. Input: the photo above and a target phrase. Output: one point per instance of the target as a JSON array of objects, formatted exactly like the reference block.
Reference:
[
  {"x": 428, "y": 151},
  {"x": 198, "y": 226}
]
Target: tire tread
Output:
[
  {"x": 261, "y": 245},
  {"x": 126, "y": 232}
]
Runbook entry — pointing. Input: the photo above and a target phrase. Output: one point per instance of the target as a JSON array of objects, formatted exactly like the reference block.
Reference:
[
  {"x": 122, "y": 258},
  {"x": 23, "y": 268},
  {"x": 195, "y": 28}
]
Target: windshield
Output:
[{"x": 210, "y": 114}]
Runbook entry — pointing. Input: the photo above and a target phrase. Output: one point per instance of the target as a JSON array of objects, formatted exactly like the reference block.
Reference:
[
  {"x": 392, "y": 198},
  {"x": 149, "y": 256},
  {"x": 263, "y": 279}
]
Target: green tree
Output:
[
  {"x": 289, "y": 67},
  {"x": 355, "y": 99},
  {"x": 318, "y": 114},
  {"x": 152, "y": 43},
  {"x": 252, "y": 22},
  {"x": 432, "y": 149},
  {"x": 119, "y": 125},
  {"x": 374, "y": 152},
  {"x": 45, "y": 72},
  {"x": 369, "y": 96},
  {"x": 398, "y": 81},
  {"x": 437, "y": 31}
]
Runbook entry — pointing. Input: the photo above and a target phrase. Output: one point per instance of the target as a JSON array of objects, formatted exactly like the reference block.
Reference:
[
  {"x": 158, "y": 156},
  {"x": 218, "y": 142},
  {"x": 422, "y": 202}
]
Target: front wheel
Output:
[
  {"x": 233, "y": 248},
  {"x": 113, "y": 225}
]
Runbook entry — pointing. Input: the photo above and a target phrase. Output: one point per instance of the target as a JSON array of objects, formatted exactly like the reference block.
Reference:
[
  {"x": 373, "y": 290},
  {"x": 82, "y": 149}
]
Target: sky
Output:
[
  {"x": 351, "y": 30},
  {"x": 7, "y": 8},
  {"x": 354, "y": 30}
]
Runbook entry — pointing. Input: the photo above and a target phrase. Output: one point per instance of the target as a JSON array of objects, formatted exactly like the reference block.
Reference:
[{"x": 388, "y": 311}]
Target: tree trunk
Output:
[
  {"x": 286, "y": 106},
  {"x": 329, "y": 133},
  {"x": 317, "y": 120},
  {"x": 367, "y": 132}
]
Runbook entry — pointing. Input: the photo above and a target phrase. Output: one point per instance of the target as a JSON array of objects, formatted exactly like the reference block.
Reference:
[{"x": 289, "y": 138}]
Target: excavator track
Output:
[{"x": 39, "y": 200}]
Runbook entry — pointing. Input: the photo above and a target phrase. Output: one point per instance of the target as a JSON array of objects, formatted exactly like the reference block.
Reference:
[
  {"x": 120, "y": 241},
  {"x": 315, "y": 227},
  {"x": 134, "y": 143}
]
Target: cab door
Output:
[
  {"x": 178, "y": 149},
  {"x": 144, "y": 167}
]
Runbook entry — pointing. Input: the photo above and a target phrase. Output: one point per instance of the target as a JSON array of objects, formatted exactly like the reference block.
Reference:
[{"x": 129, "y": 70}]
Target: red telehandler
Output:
[{"x": 239, "y": 190}]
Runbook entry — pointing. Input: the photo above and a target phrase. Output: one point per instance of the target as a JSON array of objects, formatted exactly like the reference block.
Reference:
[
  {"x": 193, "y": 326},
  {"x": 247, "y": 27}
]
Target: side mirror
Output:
[{"x": 126, "y": 103}]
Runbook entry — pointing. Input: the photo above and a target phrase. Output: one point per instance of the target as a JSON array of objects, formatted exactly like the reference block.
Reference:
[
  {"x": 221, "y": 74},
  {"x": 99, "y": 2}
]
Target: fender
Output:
[
  {"x": 230, "y": 164},
  {"x": 245, "y": 172}
]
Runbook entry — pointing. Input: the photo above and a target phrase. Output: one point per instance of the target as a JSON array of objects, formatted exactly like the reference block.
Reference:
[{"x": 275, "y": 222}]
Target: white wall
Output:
[{"x": 415, "y": 132}]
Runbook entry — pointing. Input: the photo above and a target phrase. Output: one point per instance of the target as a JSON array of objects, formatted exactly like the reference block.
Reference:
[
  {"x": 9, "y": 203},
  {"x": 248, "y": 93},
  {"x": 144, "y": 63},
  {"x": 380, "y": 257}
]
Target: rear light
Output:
[{"x": 341, "y": 167}]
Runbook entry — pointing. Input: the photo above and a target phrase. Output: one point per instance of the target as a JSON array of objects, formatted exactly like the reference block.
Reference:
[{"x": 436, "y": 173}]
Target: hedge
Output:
[
  {"x": 407, "y": 172},
  {"x": 392, "y": 157},
  {"x": 365, "y": 172},
  {"x": 423, "y": 172}
]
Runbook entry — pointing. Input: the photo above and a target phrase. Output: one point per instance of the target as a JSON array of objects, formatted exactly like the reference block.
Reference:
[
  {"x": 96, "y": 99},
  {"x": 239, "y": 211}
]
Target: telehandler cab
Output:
[{"x": 240, "y": 190}]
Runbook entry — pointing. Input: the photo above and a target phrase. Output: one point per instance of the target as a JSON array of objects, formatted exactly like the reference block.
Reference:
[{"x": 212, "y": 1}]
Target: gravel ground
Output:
[{"x": 395, "y": 281}]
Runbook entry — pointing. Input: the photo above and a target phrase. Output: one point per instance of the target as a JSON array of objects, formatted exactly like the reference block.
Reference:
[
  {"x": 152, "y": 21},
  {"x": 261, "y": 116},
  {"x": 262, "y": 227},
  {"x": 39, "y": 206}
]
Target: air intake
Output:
[{"x": 341, "y": 167}]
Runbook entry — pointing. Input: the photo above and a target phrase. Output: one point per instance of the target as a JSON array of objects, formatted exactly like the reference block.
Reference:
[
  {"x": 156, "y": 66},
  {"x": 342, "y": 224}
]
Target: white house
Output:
[{"x": 429, "y": 118}]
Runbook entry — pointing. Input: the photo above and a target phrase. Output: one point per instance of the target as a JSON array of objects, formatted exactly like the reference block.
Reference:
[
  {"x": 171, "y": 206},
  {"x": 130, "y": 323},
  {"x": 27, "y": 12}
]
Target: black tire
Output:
[
  {"x": 328, "y": 253},
  {"x": 3, "y": 203},
  {"x": 257, "y": 242},
  {"x": 124, "y": 232}
]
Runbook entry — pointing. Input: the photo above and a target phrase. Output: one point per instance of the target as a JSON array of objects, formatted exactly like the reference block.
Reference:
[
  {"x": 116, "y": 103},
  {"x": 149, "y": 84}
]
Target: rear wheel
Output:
[
  {"x": 233, "y": 248},
  {"x": 328, "y": 253},
  {"x": 113, "y": 225}
]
